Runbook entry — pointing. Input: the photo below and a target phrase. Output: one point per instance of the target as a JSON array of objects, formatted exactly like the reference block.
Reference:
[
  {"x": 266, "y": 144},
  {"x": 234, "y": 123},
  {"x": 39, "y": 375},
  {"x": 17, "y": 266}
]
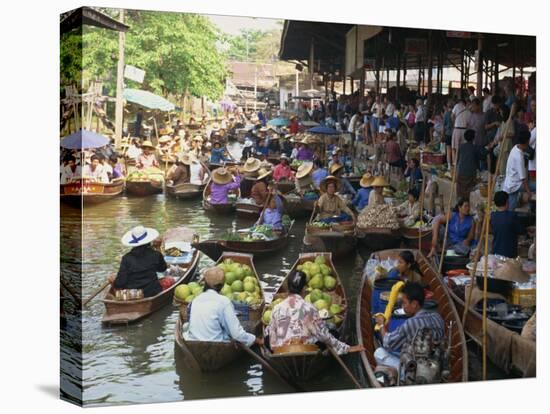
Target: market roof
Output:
[
  {"x": 86, "y": 15},
  {"x": 244, "y": 74}
]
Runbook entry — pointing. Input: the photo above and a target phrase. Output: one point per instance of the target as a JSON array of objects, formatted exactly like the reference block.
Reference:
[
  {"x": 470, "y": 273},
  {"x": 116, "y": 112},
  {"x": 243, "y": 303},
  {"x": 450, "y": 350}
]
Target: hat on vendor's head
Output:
[
  {"x": 165, "y": 138},
  {"x": 511, "y": 271},
  {"x": 263, "y": 129},
  {"x": 188, "y": 159},
  {"x": 379, "y": 181},
  {"x": 263, "y": 173},
  {"x": 304, "y": 170},
  {"x": 139, "y": 236},
  {"x": 334, "y": 168},
  {"x": 221, "y": 176},
  {"x": 147, "y": 144},
  {"x": 215, "y": 126},
  {"x": 366, "y": 180},
  {"x": 214, "y": 276},
  {"x": 251, "y": 165},
  {"x": 327, "y": 180}
]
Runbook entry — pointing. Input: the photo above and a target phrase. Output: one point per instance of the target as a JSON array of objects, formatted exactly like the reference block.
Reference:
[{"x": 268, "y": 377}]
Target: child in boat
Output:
[
  {"x": 272, "y": 215},
  {"x": 406, "y": 269}
]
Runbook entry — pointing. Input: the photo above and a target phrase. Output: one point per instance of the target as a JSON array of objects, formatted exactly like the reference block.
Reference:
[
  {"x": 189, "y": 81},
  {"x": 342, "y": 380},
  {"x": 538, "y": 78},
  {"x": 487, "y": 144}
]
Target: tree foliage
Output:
[
  {"x": 177, "y": 51},
  {"x": 263, "y": 45}
]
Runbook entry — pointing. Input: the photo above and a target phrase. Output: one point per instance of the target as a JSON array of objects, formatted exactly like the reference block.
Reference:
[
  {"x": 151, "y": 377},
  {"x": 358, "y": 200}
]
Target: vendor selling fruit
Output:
[
  {"x": 180, "y": 174},
  {"x": 147, "y": 158},
  {"x": 259, "y": 191},
  {"x": 377, "y": 196},
  {"x": 409, "y": 211},
  {"x": 330, "y": 206},
  {"x": 222, "y": 183},
  {"x": 212, "y": 315},
  {"x": 139, "y": 267},
  {"x": 295, "y": 321},
  {"x": 272, "y": 215}
]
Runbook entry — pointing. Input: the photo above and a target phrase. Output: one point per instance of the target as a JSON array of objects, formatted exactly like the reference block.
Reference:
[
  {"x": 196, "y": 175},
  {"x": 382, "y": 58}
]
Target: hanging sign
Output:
[{"x": 133, "y": 73}]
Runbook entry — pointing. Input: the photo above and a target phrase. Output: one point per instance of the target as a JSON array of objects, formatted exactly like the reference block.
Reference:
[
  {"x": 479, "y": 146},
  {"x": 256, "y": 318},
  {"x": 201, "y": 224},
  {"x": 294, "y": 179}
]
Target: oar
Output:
[
  {"x": 72, "y": 292},
  {"x": 266, "y": 364},
  {"x": 97, "y": 292},
  {"x": 344, "y": 366}
]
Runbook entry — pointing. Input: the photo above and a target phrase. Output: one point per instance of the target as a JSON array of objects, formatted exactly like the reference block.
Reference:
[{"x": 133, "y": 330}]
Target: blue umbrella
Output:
[
  {"x": 279, "y": 122},
  {"x": 323, "y": 130},
  {"x": 84, "y": 139}
]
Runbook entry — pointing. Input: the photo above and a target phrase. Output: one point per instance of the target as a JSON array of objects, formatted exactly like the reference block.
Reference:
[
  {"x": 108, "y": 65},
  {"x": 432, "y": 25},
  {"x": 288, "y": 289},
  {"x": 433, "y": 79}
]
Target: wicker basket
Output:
[
  {"x": 343, "y": 227},
  {"x": 317, "y": 230}
]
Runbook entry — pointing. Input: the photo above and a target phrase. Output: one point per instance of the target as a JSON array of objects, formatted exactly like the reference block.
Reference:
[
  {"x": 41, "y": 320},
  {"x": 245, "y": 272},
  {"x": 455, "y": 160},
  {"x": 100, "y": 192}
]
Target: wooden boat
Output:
[
  {"x": 185, "y": 191},
  {"x": 78, "y": 193},
  {"x": 143, "y": 188},
  {"x": 410, "y": 238},
  {"x": 212, "y": 166},
  {"x": 507, "y": 349},
  {"x": 340, "y": 240},
  {"x": 218, "y": 208},
  {"x": 302, "y": 362},
  {"x": 124, "y": 312},
  {"x": 379, "y": 238},
  {"x": 212, "y": 356},
  {"x": 298, "y": 207},
  {"x": 458, "y": 360},
  {"x": 285, "y": 186},
  {"x": 247, "y": 209}
]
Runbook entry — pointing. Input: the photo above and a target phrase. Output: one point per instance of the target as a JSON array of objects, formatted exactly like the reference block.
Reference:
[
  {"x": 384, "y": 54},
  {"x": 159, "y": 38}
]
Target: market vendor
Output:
[
  {"x": 180, "y": 174},
  {"x": 332, "y": 208},
  {"x": 319, "y": 173},
  {"x": 376, "y": 196},
  {"x": 295, "y": 321},
  {"x": 259, "y": 191},
  {"x": 147, "y": 158},
  {"x": 304, "y": 153},
  {"x": 222, "y": 183},
  {"x": 274, "y": 147},
  {"x": 261, "y": 147},
  {"x": 346, "y": 188},
  {"x": 460, "y": 237},
  {"x": 283, "y": 171},
  {"x": 212, "y": 317},
  {"x": 196, "y": 146},
  {"x": 272, "y": 215},
  {"x": 304, "y": 181},
  {"x": 418, "y": 318},
  {"x": 409, "y": 211},
  {"x": 505, "y": 226},
  {"x": 138, "y": 268},
  {"x": 361, "y": 199},
  {"x": 70, "y": 170},
  {"x": 406, "y": 269},
  {"x": 218, "y": 153}
]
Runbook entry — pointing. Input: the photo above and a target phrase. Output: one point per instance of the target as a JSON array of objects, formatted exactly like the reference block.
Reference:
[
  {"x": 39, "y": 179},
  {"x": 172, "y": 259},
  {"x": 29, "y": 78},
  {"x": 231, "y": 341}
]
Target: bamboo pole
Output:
[{"x": 422, "y": 195}]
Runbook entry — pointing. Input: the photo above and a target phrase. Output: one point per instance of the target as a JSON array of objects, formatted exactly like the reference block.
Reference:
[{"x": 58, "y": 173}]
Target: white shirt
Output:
[
  {"x": 67, "y": 174},
  {"x": 462, "y": 115},
  {"x": 294, "y": 153},
  {"x": 133, "y": 152},
  {"x": 390, "y": 109},
  {"x": 532, "y": 164},
  {"x": 377, "y": 110},
  {"x": 420, "y": 115},
  {"x": 195, "y": 170},
  {"x": 515, "y": 171},
  {"x": 99, "y": 173},
  {"x": 487, "y": 103}
]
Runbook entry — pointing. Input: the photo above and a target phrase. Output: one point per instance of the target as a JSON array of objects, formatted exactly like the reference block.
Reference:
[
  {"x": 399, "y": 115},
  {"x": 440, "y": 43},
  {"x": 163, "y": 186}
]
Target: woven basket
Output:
[
  {"x": 317, "y": 230},
  {"x": 347, "y": 226}
]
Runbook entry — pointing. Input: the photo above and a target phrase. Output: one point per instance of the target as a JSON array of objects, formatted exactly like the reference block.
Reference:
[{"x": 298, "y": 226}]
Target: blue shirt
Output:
[
  {"x": 393, "y": 122},
  {"x": 318, "y": 175},
  {"x": 213, "y": 319},
  {"x": 394, "y": 341},
  {"x": 347, "y": 188},
  {"x": 506, "y": 228},
  {"x": 361, "y": 199},
  {"x": 458, "y": 231},
  {"x": 216, "y": 157},
  {"x": 415, "y": 176},
  {"x": 273, "y": 217},
  {"x": 262, "y": 150}
]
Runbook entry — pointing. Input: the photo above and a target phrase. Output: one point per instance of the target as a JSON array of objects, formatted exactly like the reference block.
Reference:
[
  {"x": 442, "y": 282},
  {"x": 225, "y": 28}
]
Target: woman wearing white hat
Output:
[
  {"x": 139, "y": 267},
  {"x": 147, "y": 158}
]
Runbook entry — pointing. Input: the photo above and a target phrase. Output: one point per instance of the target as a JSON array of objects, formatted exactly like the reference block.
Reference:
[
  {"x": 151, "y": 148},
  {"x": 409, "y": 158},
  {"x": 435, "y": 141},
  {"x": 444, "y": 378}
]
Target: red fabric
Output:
[
  {"x": 281, "y": 171},
  {"x": 294, "y": 127}
]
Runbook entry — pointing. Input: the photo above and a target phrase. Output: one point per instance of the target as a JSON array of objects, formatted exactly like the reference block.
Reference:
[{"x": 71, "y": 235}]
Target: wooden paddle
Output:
[
  {"x": 97, "y": 292},
  {"x": 344, "y": 366},
  {"x": 266, "y": 364}
]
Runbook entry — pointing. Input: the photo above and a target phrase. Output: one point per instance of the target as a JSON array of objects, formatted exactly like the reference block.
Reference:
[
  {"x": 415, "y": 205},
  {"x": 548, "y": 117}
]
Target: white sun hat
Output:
[{"x": 138, "y": 236}]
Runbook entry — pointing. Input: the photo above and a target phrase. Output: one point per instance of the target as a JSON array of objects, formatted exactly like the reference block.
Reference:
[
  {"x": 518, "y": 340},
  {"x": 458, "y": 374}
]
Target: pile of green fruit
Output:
[
  {"x": 240, "y": 285},
  {"x": 147, "y": 174},
  {"x": 186, "y": 292},
  {"x": 296, "y": 164},
  {"x": 320, "y": 224}
]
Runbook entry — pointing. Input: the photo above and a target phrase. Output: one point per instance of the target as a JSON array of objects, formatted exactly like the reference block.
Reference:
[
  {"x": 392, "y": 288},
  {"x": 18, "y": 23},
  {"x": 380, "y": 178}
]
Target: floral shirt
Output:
[{"x": 294, "y": 320}]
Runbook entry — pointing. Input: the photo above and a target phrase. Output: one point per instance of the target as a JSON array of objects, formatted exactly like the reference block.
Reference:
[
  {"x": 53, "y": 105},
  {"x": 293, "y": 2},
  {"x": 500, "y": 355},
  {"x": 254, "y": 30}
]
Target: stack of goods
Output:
[
  {"x": 241, "y": 285},
  {"x": 152, "y": 174},
  {"x": 255, "y": 233},
  {"x": 382, "y": 216},
  {"x": 186, "y": 292}
]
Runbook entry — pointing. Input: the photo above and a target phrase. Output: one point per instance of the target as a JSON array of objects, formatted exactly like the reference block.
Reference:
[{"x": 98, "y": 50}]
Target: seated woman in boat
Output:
[
  {"x": 147, "y": 158},
  {"x": 304, "y": 182},
  {"x": 409, "y": 211},
  {"x": 95, "y": 171},
  {"x": 418, "y": 318},
  {"x": 117, "y": 168},
  {"x": 332, "y": 208},
  {"x": 272, "y": 215},
  {"x": 222, "y": 183},
  {"x": 295, "y": 321},
  {"x": 259, "y": 191},
  {"x": 376, "y": 196},
  {"x": 212, "y": 316},
  {"x": 361, "y": 199},
  {"x": 282, "y": 171},
  {"x": 198, "y": 174},
  {"x": 460, "y": 237},
  {"x": 304, "y": 153},
  {"x": 70, "y": 170},
  {"x": 179, "y": 174},
  {"x": 138, "y": 268},
  {"x": 406, "y": 269},
  {"x": 218, "y": 153}
]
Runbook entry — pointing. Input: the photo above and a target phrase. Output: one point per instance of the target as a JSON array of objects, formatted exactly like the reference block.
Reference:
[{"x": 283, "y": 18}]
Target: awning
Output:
[{"x": 148, "y": 100}]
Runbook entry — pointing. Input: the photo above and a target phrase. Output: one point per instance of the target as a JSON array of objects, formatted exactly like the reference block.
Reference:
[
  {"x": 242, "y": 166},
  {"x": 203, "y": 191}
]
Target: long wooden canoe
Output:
[
  {"x": 221, "y": 209},
  {"x": 285, "y": 186},
  {"x": 410, "y": 237},
  {"x": 298, "y": 207},
  {"x": 458, "y": 362},
  {"x": 301, "y": 366},
  {"x": 143, "y": 188},
  {"x": 185, "y": 191},
  {"x": 84, "y": 192},
  {"x": 379, "y": 238},
  {"x": 210, "y": 356},
  {"x": 247, "y": 209},
  {"x": 124, "y": 312}
]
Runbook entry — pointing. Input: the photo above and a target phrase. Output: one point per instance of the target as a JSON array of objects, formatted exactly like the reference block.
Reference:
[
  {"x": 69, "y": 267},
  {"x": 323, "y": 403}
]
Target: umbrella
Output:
[
  {"x": 323, "y": 131},
  {"x": 84, "y": 139},
  {"x": 279, "y": 122},
  {"x": 148, "y": 100}
]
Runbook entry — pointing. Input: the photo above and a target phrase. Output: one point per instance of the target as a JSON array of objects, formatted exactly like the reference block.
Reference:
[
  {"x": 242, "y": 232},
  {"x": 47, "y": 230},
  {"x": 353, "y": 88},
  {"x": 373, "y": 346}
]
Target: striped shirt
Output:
[{"x": 394, "y": 341}]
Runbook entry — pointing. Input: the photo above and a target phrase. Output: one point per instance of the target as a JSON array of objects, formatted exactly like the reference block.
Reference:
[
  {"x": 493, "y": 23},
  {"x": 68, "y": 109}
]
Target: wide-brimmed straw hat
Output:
[
  {"x": 304, "y": 170},
  {"x": 221, "y": 176},
  {"x": 188, "y": 159},
  {"x": 379, "y": 182},
  {"x": 214, "y": 276},
  {"x": 263, "y": 173},
  {"x": 334, "y": 168},
  {"x": 512, "y": 271},
  {"x": 139, "y": 236},
  {"x": 215, "y": 126},
  {"x": 327, "y": 180},
  {"x": 147, "y": 144},
  {"x": 251, "y": 165},
  {"x": 366, "y": 180},
  {"x": 165, "y": 138}
]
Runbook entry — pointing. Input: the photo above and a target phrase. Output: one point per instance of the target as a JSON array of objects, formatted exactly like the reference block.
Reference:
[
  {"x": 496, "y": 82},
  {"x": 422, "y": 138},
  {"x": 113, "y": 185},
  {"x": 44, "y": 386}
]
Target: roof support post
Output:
[
  {"x": 479, "y": 65},
  {"x": 430, "y": 64},
  {"x": 119, "y": 108}
]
